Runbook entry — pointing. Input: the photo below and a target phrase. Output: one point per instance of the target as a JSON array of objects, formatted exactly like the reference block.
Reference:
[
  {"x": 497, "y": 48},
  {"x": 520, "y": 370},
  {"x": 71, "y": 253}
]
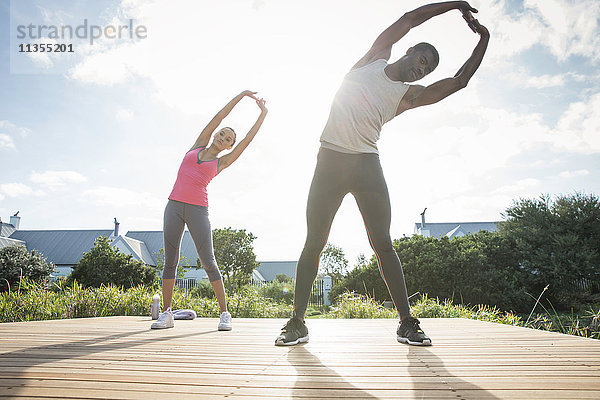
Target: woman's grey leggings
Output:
[
  {"x": 336, "y": 175},
  {"x": 177, "y": 215}
]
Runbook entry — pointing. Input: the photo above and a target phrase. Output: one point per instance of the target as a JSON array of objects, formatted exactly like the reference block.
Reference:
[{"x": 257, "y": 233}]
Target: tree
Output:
[
  {"x": 474, "y": 269},
  {"x": 364, "y": 279},
  {"x": 558, "y": 243},
  {"x": 283, "y": 278},
  {"x": 16, "y": 261},
  {"x": 333, "y": 261},
  {"x": 181, "y": 268},
  {"x": 235, "y": 255},
  {"x": 104, "y": 264}
]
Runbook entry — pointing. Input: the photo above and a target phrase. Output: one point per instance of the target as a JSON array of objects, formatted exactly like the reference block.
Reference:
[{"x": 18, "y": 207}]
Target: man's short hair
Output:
[{"x": 426, "y": 46}]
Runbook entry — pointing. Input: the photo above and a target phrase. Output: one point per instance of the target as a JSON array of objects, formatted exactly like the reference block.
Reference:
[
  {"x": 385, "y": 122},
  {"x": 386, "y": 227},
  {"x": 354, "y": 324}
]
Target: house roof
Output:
[
  {"x": 135, "y": 247},
  {"x": 270, "y": 269},
  {"x": 5, "y": 242},
  {"x": 439, "y": 229},
  {"x": 257, "y": 276},
  {"x": 154, "y": 243},
  {"x": 457, "y": 232},
  {"x": 6, "y": 229},
  {"x": 62, "y": 247}
]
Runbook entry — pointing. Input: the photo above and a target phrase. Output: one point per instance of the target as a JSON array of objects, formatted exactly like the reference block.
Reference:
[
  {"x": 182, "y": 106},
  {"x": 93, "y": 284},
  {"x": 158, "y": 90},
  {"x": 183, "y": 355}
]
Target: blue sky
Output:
[{"x": 101, "y": 134}]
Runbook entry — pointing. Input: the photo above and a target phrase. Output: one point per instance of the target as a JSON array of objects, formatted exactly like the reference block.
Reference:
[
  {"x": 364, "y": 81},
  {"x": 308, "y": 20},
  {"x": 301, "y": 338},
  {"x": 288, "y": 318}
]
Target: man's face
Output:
[{"x": 416, "y": 64}]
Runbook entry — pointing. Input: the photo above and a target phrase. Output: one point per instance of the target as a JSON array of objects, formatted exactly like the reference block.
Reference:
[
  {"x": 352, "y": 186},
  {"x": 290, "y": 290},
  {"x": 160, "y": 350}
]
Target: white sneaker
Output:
[
  {"x": 225, "y": 322},
  {"x": 165, "y": 320}
]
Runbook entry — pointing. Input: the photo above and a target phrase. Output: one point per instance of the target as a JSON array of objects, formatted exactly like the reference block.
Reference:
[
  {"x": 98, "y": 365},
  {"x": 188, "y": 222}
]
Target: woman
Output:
[{"x": 188, "y": 204}]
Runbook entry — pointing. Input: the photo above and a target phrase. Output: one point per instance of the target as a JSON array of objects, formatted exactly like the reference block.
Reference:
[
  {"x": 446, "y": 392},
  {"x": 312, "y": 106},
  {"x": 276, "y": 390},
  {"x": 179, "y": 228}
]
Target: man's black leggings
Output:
[{"x": 336, "y": 175}]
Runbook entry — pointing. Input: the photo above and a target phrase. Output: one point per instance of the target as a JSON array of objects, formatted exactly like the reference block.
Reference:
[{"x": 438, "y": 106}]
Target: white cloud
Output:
[
  {"x": 510, "y": 35},
  {"x": 124, "y": 114},
  {"x": 493, "y": 136},
  {"x": 520, "y": 77},
  {"x": 258, "y": 4},
  {"x": 109, "y": 68},
  {"x": 120, "y": 197},
  {"x": 573, "y": 174},
  {"x": 565, "y": 27},
  {"x": 546, "y": 81},
  {"x": 568, "y": 28},
  {"x": 578, "y": 128},
  {"x": 18, "y": 190},
  {"x": 13, "y": 129},
  {"x": 519, "y": 186},
  {"x": 56, "y": 179},
  {"x": 544, "y": 163},
  {"x": 52, "y": 16},
  {"x": 6, "y": 142}
]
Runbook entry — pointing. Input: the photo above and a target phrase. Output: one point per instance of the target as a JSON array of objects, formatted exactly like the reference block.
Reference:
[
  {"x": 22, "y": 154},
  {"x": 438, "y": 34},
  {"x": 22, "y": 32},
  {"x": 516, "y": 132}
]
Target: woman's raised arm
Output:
[
  {"x": 228, "y": 159},
  {"x": 207, "y": 132}
]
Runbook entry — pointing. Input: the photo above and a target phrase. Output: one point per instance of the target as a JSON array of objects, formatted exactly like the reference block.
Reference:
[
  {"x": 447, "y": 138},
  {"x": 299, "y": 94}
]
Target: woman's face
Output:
[{"x": 224, "y": 139}]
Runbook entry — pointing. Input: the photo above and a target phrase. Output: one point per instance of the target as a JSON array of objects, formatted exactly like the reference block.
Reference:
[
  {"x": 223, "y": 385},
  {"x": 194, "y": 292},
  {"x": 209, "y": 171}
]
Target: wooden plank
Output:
[{"x": 299, "y": 370}]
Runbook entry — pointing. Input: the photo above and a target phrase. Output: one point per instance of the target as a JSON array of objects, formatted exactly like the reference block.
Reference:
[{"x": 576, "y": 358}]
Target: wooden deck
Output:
[{"x": 121, "y": 358}]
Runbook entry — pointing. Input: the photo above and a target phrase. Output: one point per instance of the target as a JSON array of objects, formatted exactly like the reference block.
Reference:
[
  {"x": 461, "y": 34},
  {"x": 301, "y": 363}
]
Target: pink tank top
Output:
[{"x": 193, "y": 177}]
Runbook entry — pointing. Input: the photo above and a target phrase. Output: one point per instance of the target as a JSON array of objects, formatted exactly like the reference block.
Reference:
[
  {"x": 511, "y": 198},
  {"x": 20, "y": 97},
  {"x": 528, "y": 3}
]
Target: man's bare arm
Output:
[{"x": 418, "y": 96}]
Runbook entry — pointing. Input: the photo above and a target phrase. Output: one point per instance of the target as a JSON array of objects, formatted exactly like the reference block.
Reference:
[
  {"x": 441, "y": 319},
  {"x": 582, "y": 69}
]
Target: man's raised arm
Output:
[
  {"x": 418, "y": 96},
  {"x": 382, "y": 47}
]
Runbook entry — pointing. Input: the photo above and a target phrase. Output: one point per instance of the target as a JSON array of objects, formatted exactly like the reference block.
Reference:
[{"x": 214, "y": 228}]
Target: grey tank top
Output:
[{"x": 365, "y": 101}]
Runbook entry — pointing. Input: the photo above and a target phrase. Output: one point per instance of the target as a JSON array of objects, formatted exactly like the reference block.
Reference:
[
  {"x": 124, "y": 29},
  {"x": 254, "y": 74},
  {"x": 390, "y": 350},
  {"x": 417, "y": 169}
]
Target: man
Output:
[{"x": 373, "y": 93}]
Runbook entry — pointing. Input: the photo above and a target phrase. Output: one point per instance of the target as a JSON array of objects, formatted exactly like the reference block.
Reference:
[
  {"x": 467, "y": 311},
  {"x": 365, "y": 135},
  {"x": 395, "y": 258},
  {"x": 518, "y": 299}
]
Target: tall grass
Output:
[
  {"x": 351, "y": 305},
  {"x": 34, "y": 302},
  {"x": 586, "y": 325}
]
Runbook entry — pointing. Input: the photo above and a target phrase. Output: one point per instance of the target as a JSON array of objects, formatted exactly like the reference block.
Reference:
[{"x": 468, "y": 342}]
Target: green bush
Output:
[
  {"x": 557, "y": 242},
  {"x": 474, "y": 269},
  {"x": 104, "y": 265},
  {"x": 13, "y": 259},
  {"x": 365, "y": 280},
  {"x": 204, "y": 289},
  {"x": 248, "y": 303},
  {"x": 281, "y": 292},
  {"x": 283, "y": 278}
]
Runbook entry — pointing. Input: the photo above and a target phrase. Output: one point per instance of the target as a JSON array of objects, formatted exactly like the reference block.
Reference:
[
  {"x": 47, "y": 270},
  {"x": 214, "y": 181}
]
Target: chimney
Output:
[
  {"x": 423, "y": 218},
  {"x": 116, "y": 232},
  {"x": 15, "y": 220}
]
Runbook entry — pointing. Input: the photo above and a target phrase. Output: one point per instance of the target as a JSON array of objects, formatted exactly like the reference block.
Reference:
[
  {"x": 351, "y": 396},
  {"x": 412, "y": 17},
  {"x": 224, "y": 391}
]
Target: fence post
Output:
[{"x": 326, "y": 290}]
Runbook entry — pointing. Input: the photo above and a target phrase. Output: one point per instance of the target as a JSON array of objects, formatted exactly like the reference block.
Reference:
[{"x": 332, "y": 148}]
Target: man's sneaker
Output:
[
  {"x": 294, "y": 332},
  {"x": 165, "y": 320},
  {"x": 225, "y": 321},
  {"x": 410, "y": 332}
]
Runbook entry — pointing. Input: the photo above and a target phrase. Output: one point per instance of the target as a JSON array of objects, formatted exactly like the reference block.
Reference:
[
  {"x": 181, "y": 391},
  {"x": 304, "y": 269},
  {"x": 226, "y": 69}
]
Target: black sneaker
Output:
[
  {"x": 294, "y": 332},
  {"x": 410, "y": 332}
]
